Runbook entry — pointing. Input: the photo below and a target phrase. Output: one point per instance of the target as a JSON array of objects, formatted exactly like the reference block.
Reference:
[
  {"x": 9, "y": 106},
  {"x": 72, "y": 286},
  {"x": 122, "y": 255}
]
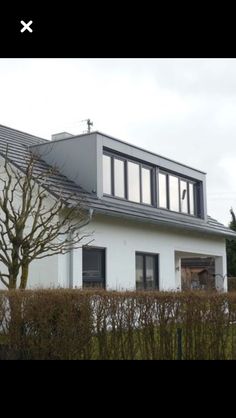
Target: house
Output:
[{"x": 147, "y": 213}]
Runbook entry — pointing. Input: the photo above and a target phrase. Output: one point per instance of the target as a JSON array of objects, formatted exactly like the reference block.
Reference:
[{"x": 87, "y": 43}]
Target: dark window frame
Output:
[
  {"x": 154, "y": 185},
  {"x": 102, "y": 279},
  {"x": 156, "y": 264},
  {"x": 196, "y": 200},
  {"x": 141, "y": 165}
]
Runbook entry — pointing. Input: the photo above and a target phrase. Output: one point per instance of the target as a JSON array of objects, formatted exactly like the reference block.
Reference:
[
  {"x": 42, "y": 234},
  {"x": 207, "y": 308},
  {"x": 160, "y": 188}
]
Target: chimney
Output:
[{"x": 61, "y": 135}]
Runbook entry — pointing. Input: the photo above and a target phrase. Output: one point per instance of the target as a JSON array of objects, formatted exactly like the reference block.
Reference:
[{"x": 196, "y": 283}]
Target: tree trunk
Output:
[
  {"x": 24, "y": 276},
  {"x": 13, "y": 280}
]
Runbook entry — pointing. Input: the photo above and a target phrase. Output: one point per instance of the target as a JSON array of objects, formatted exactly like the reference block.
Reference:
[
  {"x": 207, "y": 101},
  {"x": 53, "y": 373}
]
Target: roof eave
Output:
[{"x": 166, "y": 223}]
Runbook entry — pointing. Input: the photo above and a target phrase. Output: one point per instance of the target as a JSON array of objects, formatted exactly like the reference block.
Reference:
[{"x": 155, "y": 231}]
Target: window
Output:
[
  {"x": 119, "y": 178},
  {"x": 174, "y": 193},
  {"x": 127, "y": 179},
  {"x": 146, "y": 186},
  {"x": 183, "y": 197},
  {"x": 162, "y": 190},
  {"x": 133, "y": 182},
  {"x": 191, "y": 199},
  {"x": 146, "y": 271},
  {"x": 106, "y": 174},
  {"x": 139, "y": 182},
  {"x": 93, "y": 267},
  {"x": 177, "y": 194}
]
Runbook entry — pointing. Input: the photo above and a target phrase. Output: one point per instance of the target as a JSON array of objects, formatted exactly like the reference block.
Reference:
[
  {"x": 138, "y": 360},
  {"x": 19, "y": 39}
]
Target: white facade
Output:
[
  {"x": 121, "y": 239},
  {"x": 121, "y": 224}
]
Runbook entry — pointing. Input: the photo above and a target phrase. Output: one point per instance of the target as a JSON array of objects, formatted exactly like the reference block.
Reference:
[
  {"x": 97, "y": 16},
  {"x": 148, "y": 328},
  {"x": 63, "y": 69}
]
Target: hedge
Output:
[{"x": 79, "y": 324}]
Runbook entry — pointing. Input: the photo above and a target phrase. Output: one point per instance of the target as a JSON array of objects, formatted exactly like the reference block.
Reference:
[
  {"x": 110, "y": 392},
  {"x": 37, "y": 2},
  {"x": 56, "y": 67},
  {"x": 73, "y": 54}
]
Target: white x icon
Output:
[{"x": 26, "y": 26}]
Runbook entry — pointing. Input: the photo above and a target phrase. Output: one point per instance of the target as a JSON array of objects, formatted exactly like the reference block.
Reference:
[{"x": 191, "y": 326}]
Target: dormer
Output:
[{"x": 118, "y": 172}]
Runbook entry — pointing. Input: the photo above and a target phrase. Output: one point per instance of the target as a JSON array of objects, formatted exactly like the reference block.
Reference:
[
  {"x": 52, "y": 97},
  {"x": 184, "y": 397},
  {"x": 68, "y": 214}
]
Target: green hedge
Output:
[
  {"x": 76, "y": 324},
  {"x": 231, "y": 284}
]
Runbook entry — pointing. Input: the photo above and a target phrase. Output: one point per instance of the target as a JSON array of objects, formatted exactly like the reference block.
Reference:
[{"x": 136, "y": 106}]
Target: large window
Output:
[
  {"x": 139, "y": 182},
  {"x": 93, "y": 267},
  {"x": 146, "y": 271},
  {"x": 127, "y": 179},
  {"x": 177, "y": 194}
]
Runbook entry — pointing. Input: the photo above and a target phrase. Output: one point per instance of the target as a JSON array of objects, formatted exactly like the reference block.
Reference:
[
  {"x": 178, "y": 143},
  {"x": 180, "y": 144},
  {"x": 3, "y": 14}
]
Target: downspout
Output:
[{"x": 71, "y": 254}]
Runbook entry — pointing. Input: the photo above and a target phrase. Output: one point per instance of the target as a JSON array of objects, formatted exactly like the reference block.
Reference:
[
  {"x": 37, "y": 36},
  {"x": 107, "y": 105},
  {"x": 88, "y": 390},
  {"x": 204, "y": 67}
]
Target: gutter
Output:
[{"x": 207, "y": 230}]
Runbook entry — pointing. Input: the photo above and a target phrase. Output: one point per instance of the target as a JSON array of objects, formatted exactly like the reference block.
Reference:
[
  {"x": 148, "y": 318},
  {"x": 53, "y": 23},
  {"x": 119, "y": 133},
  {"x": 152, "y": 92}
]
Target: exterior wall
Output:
[
  {"x": 75, "y": 157},
  {"x": 44, "y": 272},
  {"x": 122, "y": 238},
  {"x": 80, "y": 159}
]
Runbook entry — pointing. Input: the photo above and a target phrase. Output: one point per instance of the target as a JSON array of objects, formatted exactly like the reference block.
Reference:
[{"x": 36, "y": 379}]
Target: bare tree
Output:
[{"x": 35, "y": 221}]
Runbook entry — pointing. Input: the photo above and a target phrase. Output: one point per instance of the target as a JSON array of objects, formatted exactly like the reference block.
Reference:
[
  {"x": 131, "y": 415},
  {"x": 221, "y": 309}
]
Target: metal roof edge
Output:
[
  {"x": 123, "y": 142},
  {"x": 173, "y": 224}
]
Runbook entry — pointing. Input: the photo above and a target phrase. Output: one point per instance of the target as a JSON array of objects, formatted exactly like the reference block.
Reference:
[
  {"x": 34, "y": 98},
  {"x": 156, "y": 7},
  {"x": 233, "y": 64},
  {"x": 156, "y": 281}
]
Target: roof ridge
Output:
[{"x": 23, "y": 132}]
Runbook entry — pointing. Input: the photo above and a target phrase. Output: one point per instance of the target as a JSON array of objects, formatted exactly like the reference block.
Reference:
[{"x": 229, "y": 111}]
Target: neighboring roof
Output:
[{"x": 19, "y": 145}]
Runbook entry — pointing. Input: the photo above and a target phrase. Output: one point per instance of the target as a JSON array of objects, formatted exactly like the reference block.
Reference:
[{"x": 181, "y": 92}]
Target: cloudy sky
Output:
[{"x": 184, "y": 109}]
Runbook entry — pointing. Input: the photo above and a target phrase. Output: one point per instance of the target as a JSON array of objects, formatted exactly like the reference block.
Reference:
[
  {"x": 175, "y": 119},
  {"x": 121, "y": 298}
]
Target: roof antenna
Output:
[{"x": 89, "y": 124}]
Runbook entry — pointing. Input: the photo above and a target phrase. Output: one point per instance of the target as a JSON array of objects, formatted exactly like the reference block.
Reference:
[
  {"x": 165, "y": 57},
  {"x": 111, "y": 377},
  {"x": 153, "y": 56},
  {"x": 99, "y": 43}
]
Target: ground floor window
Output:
[
  {"x": 146, "y": 271},
  {"x": 94, "y": 267}
]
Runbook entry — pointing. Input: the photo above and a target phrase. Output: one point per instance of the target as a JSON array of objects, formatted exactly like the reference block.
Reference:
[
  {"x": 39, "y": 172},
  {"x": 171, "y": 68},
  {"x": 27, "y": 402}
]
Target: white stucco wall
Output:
[
  {"x": 122, "y": 238},
  {"x": 44, "y": 272}
]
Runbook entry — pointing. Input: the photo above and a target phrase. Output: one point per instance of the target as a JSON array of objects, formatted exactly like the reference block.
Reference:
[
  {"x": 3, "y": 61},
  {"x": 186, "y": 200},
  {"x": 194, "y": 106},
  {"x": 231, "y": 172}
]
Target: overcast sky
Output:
[{"x": 184, "y": 109}]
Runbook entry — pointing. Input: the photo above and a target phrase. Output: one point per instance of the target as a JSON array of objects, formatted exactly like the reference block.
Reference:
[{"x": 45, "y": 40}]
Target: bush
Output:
[
  {"x": 79, "y": 324},
  {"x": 231, "y": 284}
]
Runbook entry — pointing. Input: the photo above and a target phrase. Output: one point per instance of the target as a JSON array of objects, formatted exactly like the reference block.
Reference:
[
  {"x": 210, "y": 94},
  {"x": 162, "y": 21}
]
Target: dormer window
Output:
[
  {"x": 141, "y": 183},
  {"x": 126, "y": 179},
  {"x": 177, "y": 194}
]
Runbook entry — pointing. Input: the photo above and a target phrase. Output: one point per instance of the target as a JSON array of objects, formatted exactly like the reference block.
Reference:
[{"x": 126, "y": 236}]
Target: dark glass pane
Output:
[
  {"x": 162, "y": 191},
  {"x": 133, "y": 182},
  {"x": 93, "y": 267},
  {"x": 106, "y": 174},
  {"x": 92, "y": 263},
  {"x": 139, "y": 272},
  {"x": 174, "y": 193},
  {"x": 119, "y": 178},
  {"x": 146, "y": 185},
  {"x": 150, "y": 272}
]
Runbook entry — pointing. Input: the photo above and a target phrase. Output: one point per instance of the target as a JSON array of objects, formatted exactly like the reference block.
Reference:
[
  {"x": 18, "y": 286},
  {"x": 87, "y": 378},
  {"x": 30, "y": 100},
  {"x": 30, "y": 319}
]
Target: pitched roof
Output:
[{"x": 19, "y": 144}]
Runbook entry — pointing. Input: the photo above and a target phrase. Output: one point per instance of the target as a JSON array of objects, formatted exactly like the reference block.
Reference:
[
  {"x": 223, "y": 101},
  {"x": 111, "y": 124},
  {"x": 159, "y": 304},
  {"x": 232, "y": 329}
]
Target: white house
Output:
[{"x": 147, "y": 212}]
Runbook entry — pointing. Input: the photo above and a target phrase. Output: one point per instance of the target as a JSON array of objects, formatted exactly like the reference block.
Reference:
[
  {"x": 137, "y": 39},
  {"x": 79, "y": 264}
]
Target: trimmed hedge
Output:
[
  {"x": 79, "y": 324},
  {"x": 231, "y": 284}
]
